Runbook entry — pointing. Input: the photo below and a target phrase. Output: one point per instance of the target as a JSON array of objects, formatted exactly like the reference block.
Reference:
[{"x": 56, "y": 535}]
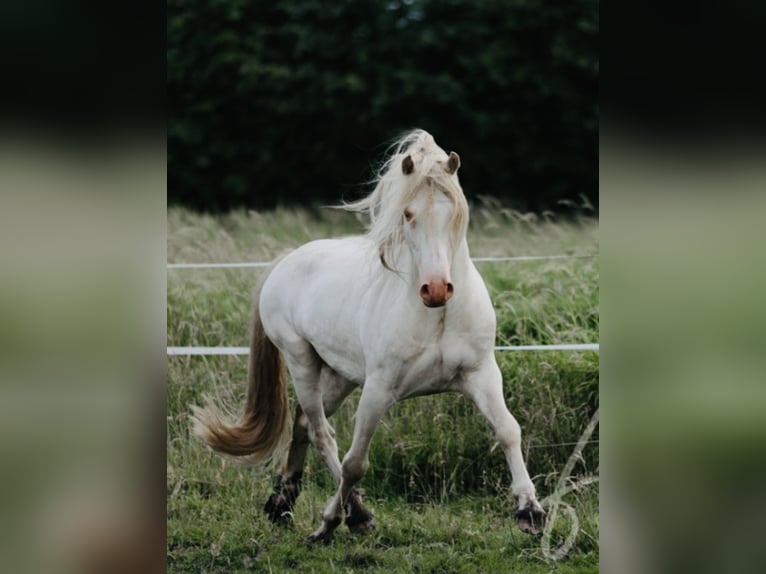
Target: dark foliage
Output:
[{"x": 292, "y": 101}]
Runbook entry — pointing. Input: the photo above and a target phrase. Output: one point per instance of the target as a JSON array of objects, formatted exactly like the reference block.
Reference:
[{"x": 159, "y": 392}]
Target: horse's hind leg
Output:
[
  {"x": 287, "y": 487},
  {"x": 372, "y": 406}
]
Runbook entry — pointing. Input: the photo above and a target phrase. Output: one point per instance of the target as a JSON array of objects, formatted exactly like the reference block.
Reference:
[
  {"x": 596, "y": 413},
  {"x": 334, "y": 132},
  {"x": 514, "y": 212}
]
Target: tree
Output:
[{"x": 292, "y": 101}]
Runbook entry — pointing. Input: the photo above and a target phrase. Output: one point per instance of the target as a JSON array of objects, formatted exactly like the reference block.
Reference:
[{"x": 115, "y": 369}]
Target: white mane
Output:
[{"x": 394, "y": 191}]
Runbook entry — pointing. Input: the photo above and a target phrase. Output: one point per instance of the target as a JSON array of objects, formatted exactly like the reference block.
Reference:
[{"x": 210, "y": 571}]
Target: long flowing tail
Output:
[{"x": 263, "y": 428}]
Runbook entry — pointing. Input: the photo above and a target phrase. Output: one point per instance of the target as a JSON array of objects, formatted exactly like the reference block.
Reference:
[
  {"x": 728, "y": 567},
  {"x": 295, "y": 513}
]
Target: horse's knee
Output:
[
  {"x": 322, "y": 438},
  {"x": 509, "y": 433},
  {"x": 354, "y": 468},
  {"x": 301, "y": 424}
]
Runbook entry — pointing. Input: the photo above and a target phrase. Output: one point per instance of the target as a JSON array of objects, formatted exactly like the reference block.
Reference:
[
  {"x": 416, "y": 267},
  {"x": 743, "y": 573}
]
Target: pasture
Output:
[{"x": 437, "y": 482}]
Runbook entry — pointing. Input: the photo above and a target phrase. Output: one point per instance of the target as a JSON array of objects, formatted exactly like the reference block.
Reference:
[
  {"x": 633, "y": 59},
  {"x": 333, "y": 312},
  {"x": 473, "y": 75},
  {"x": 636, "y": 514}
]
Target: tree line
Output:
[{"x": 294, "y": 101}]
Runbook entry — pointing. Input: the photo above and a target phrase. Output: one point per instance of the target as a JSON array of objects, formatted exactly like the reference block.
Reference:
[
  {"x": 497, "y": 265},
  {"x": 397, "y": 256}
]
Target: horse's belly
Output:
[{"x": 345, "y": 362}]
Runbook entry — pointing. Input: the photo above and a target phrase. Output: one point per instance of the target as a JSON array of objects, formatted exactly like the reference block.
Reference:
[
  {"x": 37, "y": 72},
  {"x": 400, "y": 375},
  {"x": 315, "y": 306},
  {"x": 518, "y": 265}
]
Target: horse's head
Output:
[
  {"x": 418, "y": 207},
  {"x": 431, "y": 226}
]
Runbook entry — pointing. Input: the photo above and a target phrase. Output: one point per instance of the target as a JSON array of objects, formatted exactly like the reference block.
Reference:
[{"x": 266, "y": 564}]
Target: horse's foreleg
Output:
[
  {"x": 372, "y": 406},
  {"x": 485, "y": 388}
]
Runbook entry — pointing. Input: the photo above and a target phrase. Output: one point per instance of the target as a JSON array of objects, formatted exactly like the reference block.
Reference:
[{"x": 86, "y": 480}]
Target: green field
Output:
[{"x": 437, "y": 482}]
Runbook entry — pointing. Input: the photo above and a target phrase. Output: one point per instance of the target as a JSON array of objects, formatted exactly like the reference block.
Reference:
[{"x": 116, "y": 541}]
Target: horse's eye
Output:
[{"x": 408, "y": 215}]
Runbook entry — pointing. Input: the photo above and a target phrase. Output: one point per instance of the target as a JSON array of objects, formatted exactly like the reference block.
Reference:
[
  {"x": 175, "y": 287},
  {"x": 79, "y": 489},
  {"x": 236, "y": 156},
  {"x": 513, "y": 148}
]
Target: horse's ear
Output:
[
  {"x": 407, "y": 166},
  {"x": 453, "y": 163}
]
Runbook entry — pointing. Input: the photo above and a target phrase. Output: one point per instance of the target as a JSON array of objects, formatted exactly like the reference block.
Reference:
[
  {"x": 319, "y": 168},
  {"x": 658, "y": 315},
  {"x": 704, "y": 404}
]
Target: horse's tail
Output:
[{"x": 263, "y": 429}]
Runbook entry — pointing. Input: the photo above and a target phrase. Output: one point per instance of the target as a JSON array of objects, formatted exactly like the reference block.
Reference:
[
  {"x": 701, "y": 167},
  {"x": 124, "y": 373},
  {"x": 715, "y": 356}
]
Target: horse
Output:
[{"x": 400, "y": 312}]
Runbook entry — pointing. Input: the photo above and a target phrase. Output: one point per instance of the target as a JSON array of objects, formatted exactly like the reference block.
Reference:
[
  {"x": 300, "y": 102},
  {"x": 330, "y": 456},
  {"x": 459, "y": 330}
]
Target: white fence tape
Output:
[
  {"x": 562, "y": 347},
  {"x": 189, "y": 351},
  {"x": 216, "y": 265},
  {"x": 475, "y": 260}
]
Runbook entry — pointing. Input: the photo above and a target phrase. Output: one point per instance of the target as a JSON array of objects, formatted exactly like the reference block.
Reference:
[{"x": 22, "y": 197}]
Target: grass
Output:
[{"x": 437, "y": 481}]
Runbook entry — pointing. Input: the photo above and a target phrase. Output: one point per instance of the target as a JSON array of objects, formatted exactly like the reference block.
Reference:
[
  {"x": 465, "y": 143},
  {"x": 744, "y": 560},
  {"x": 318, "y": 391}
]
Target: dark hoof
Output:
[
  {"x": 325, "y": 532},
  {"x": 321, "y": 536},
  {"x": 358, "y": 519},
  {"x": 530, "y": 519},
  {"x": 363, "y": 527},
  {"x": 278, "y": 509}
]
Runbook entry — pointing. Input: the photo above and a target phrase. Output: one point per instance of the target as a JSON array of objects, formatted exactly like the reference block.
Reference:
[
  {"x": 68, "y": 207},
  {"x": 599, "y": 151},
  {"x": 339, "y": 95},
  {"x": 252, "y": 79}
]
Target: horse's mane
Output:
[{"x": 394, "y": 190}]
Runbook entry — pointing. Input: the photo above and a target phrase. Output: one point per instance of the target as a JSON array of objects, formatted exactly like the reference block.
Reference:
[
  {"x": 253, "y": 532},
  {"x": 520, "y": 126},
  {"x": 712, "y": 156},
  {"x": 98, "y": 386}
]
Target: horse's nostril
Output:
[
  {"x": 424, "y": 290},
  {"x": 450, "y": 288}
]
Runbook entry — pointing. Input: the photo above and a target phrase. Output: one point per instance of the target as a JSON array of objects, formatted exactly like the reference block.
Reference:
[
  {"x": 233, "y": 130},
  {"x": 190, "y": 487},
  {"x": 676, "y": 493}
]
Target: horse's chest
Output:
[{"x": 436, "y": 367}]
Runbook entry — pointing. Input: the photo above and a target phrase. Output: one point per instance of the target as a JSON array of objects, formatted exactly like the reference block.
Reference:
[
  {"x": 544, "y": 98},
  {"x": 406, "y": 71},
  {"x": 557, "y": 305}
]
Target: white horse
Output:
[{"x": 400, "y": 312}]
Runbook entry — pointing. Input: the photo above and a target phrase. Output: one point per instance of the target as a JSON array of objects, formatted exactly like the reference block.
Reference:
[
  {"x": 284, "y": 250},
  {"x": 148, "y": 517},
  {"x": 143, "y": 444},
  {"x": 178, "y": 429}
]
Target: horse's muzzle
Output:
[{"x": 436, "y": 293}]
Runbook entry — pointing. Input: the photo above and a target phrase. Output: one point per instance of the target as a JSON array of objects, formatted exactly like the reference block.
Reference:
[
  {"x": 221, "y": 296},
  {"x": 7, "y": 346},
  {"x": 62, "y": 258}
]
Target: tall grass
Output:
[{"x": 429, "y": 448}]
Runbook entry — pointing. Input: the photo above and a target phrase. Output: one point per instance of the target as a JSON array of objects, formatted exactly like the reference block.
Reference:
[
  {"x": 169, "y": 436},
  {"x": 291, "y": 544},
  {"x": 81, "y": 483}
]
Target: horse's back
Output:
[{"x": 316, "y": 259}]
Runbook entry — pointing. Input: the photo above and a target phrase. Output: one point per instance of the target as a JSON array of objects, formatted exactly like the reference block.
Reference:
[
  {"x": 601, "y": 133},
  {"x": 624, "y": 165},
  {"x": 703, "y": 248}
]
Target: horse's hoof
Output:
[
  {"x": 278, "y": 509},
  {"x": 358, "y": 519},
  {"x": 361, "y": 528},
  {"x": 530, "y": 519},
  {"x": 322, "y": 535}
]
